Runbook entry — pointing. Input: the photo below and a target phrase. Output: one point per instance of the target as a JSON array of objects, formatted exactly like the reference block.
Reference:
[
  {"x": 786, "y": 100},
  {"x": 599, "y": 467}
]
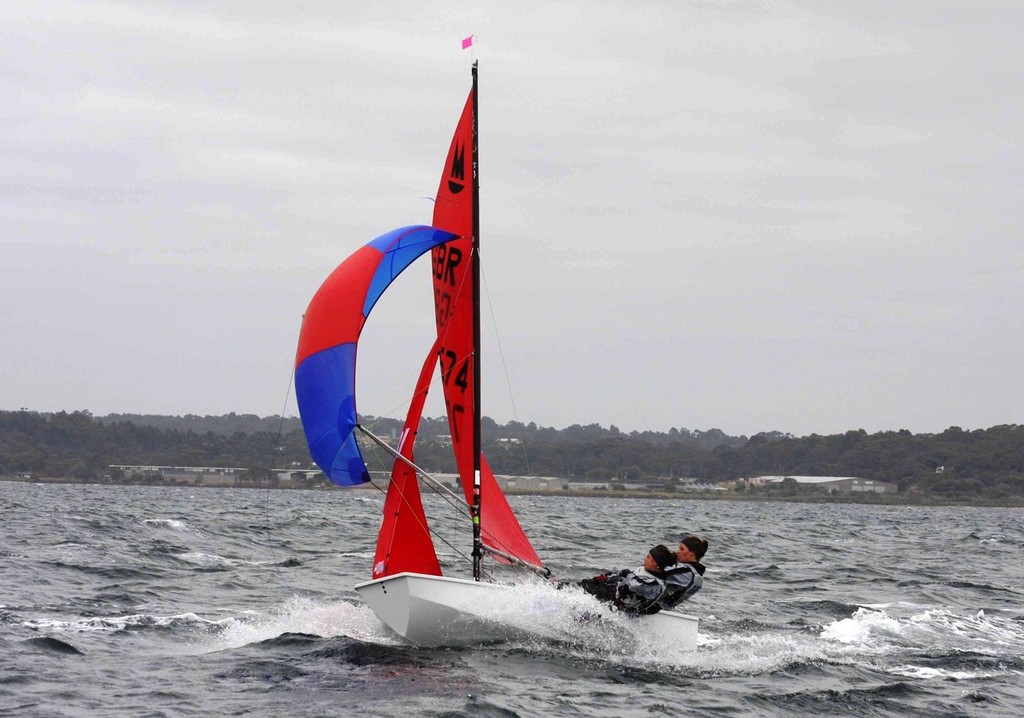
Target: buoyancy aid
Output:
[
  {"x": 640, "y": 591},
  {"x": 682, "y": 580},
  {"x": 637, "y": 591}
]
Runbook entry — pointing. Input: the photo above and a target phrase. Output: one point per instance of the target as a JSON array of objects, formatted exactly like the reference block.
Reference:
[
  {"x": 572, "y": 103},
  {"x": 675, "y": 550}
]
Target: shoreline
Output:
[{"x": 863, "y": 499}]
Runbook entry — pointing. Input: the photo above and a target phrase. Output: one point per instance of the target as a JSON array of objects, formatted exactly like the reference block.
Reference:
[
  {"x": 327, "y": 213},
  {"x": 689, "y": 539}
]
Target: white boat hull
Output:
[{"x": 442, "y": 611}]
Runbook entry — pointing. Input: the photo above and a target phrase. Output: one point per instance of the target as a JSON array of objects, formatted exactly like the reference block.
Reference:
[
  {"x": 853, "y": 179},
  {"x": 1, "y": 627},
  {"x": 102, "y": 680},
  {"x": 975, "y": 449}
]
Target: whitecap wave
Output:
[
  {"x": 538, "y": 616},
  {"x": 930, "y": 673},
  {"x": 176, "y": 524},
  {"x": 118, "y": 623},
  {"x": 299, "y": 615},
  {"x": 866, "y": 626},
  {"x": 765, "y": 653},
  {"x": 209, "y": 560},
  {"x": 929, "y": 629}
]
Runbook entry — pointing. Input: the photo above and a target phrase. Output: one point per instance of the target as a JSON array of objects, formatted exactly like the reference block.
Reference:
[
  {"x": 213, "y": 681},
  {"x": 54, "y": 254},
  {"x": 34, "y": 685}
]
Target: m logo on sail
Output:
[{"x": 456, "y": 180}]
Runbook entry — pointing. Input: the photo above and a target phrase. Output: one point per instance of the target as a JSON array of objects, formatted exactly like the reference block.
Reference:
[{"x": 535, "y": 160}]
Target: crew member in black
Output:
[{"x": 639, "y": 591}]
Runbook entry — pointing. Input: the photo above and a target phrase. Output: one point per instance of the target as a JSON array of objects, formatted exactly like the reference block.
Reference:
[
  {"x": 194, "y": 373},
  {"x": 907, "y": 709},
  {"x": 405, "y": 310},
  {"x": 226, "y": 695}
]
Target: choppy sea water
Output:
[{"x": 149, "y": 601}]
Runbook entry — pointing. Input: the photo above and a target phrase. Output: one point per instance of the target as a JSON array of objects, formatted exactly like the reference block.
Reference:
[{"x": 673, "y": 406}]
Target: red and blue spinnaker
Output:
[{"x": 325, "y": 364}]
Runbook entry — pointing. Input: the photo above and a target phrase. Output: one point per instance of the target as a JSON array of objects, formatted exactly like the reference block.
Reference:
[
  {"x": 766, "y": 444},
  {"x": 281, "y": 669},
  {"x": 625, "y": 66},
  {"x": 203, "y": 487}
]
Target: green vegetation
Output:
[{"x": 955, "y": 465}]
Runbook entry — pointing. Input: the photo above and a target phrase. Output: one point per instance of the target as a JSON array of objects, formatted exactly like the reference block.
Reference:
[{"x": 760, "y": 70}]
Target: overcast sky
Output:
[{"x": 792, "y": 216}]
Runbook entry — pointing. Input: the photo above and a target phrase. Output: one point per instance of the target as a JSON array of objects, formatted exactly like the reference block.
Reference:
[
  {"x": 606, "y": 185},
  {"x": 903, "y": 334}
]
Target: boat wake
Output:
[
  {"x": 535, "y": 617},
  {"x": 561, "y": 624},
  {"x": 113, "y": 624},
  {"x": 900, "y": 628},
  {"x": 892, "y": 639},
  {"x": 302, "y": 616}
]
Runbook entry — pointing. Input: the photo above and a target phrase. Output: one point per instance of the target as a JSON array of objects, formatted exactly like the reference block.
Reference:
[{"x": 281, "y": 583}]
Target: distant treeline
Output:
[{"x": 984, "y": 463}]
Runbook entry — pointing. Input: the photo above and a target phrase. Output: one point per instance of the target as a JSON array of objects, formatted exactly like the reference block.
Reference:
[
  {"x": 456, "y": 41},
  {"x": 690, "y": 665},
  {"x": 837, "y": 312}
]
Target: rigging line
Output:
[
  {"x": 450, "y": 497},
  {"x": 514, "y": 563},
  {"x": 445, "y": 375},
  {"x": 444, "y": 333},
  {"x": 425, "y": 526},
  {"x": 504, "y": 366},
  {"x": 501, "y": 353},
  {"x": 449, "y": 501},
  {"x": 458, "y": 363},
  {"x": 398, "y": 456},
  {"x": 431, "y": 481},
  {"x": 454, "y": 501},
  {"x": 266, "y": 503},
  {"x": 388, "y": 414},
  {"x": 460, "y": 506}
]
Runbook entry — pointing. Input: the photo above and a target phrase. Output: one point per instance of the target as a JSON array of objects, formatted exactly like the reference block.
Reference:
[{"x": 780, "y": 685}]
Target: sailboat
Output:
[{"x": 407, "y": 589}]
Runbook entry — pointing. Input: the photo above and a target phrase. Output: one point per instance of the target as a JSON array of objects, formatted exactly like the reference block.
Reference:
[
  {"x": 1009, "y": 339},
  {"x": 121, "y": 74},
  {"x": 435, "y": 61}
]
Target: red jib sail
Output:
[
  {"x": 404, "y": 543},
  {"x": 454, "y": 302}
]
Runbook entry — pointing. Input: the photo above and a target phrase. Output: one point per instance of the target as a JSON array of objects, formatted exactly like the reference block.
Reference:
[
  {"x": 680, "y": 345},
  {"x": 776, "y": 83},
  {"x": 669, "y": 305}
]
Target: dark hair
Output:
[
  {"x": 663, "y": 556},
  {"x": 696, "y": 544}
]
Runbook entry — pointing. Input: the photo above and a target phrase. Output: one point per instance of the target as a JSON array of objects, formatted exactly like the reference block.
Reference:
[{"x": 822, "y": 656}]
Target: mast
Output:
[{"x": 475, "y": 268}]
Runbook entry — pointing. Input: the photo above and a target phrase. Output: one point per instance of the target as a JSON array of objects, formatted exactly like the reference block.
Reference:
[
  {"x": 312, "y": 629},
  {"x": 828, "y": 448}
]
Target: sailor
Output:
[
  {"x": 686, "y": 576},
  {"x": 639, "y": 591}
]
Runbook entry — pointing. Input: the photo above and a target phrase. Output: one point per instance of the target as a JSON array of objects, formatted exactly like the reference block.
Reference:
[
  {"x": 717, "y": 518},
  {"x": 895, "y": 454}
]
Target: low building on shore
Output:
[
  {"x": 832, "y": 484},
  {"x": 225, "y": 475},
  {"x": 220, "y": 475}
]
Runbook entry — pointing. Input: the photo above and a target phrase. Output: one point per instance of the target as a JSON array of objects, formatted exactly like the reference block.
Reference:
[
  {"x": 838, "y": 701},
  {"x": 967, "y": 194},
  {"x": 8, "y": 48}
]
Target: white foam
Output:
[
  {"x": 300, "y": 615},
  {"x": 862, "y": 628},
  {"x": 116, "y": 623},
  {"x": 898, "y": 605},
  {"x": 766, "y": 653},
  {"x": 571, "y": 620},
  {"x": 978, "y": 629},
  {"x": 929, "y": 673},
  {"x": 886, "y": 631},
  {"x": 208, "y": 560},
  {"x": 367, "y": 555},
  {"x": 175, "y": 524}
]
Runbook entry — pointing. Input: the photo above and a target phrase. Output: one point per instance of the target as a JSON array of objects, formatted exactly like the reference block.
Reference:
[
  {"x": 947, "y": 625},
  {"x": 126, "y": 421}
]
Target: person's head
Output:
[
  {"x": 692, "y": 548},
  {"x": 659, "y": 558}
]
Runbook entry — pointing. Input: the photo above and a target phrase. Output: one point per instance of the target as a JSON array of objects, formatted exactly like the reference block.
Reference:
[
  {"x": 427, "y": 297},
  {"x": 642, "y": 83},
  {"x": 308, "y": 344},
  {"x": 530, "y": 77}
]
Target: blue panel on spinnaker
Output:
[
  {"x": 325, "y": 389},
  {"x": 400, "y": 248},
  {"x": 325, "y": 369}
]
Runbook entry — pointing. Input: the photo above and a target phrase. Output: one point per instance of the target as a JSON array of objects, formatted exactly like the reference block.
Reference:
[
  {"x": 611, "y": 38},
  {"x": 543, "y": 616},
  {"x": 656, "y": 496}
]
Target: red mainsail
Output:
[
  {"x": 453, "y": 293},
  {"x": 454, "y": 302}
]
